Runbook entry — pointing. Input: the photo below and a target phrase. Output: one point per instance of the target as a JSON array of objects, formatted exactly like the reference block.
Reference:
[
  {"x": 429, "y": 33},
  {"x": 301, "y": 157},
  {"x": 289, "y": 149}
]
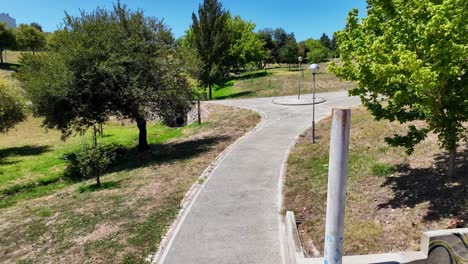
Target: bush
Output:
[{"x": 91, "y": 161}]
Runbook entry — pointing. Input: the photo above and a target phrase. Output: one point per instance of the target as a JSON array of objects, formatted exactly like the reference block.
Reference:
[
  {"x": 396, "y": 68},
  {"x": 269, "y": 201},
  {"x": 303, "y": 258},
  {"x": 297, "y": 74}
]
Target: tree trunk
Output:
[
  {"x": 452, "y": 161},
  {"x": 1, "y": 56},
  {"x": 98, "y": 180},
  {"x": 211, "y": 94},
  {"x": 142, "y": 141},
  {"x": 94, "y": 137}
]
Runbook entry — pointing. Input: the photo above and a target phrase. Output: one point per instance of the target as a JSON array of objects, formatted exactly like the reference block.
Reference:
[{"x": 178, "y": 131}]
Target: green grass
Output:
[
  {"x": 278, "y": 81},
  {"x": 391, "y": 197},
  {"x": 30, "y": 171}
]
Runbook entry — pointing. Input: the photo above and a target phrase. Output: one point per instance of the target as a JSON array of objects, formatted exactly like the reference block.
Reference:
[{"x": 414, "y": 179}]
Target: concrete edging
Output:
[
  {"x": 193, "y": 192},
  {"x": 296, "y": 255}
]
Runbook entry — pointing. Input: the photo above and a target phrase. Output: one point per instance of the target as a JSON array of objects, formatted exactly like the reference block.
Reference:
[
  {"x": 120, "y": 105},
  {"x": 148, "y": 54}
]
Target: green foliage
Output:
[
  {"x": 317, "y": 52},
  {"x": 325, "y": 41},
  {"x": 12, "y": 105},
  {"x": 211, "y": 39},
  {"x": 7, "y": 39},
  {"x": 30, "y": 37},
  {"x": 410, "y": 60},
  {"x": 246, "y": 46},
  {"x": 90, "y": 162},
  {"x": 102, "y": 64}
]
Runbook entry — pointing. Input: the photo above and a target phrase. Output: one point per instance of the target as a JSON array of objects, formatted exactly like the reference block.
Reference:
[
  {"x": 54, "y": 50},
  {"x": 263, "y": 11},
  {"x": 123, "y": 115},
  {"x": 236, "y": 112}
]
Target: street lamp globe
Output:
[
  {"x": 314, "y": 68},
  {"x": 299, "y": 59}
]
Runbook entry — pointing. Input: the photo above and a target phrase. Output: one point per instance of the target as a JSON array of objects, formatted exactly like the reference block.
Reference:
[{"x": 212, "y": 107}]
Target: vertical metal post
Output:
[
  {"x": 313, "y": 109},
  {"x": 336, "y": 196},
  {"x": 199, "y": 111},
  {"x": 299, "y": 88}
]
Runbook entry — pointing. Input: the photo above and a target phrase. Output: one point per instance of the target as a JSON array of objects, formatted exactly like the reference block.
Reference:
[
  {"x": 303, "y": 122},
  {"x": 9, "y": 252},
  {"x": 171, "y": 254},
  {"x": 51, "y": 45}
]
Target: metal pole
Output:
[
  {"x": 336, "y": 197},
  {"x": 299, "y": 89},
  {"x": 313, "y": 110},
  {"x": 199, "y": 111}
]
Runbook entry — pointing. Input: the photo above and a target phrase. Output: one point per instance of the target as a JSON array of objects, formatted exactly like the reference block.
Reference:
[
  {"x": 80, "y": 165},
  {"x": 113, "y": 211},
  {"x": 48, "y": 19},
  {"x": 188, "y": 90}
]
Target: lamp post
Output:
[
  {"x": 314, "y": 68},
  {"x": 299, "y": 88}
]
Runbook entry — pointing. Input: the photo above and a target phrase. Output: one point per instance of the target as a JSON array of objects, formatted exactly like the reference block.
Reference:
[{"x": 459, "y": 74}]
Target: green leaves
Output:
[
  {"x": 411, "y": 54},
  {"x": 12, "y": 105}
]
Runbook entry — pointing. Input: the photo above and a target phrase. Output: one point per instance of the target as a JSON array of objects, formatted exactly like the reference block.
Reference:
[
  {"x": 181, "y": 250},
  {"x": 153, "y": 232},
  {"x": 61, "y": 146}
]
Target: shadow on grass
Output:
[
  {"x": 248, "y": 75},
  {"x": 164, "y": 153},
  {"x": 104, "y": 186},
  {"x": 447, "y": 196},
  {"x": 22, "y": 151},
  {"x": 9, "y": 66},
  {"x": 234, "y": 95}
]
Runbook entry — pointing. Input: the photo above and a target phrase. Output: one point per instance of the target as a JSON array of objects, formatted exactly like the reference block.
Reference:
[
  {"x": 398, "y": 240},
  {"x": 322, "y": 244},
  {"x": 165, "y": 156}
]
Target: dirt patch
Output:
[
  {"x": 126, "y": 222},
  {"x": 391, "y": 197}
]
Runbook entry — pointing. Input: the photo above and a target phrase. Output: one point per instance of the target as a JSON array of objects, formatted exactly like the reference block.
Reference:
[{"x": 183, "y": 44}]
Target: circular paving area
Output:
[{"x": 295, "y": 101}]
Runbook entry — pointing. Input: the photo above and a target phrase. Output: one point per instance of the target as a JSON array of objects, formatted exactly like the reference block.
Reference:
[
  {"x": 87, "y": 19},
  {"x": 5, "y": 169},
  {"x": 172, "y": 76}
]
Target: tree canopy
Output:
[
  {"x": 12, "y": 105},
  {"x": 108, "y": 63},
  {"x": 7, "y": 39},
  {"x": 30, "y": 37},
  {"x": 410, "y": 61},
  {"x": 211, "y": 40}
]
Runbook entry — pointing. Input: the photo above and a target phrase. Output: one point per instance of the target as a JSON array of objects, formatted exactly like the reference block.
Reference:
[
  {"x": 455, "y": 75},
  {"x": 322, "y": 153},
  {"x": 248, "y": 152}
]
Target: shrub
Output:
[{"x": 91, "y": 161}]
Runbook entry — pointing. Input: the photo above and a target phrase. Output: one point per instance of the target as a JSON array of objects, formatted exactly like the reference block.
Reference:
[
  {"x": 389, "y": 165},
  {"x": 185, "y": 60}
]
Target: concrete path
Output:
[{"x": 235, "y": 218}]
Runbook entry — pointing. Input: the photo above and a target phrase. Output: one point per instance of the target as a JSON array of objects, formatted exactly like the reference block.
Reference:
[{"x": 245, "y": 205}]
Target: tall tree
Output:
[
  {"x": 325, "y": 41},
  {"x": 7, "y": 39},
  {"x": 266, "y": 36},
  {"x": 212, "y": 41},
  {"x": 29, "y": 37},
  {"x": 108, "y": 63},
  {"x": 289, "y": 51},
  {"x": 317, "y": 52},
  {"x": 246, "y": 46},
  {"x": 410, "y": 60},
  {"x": 12, "y": 105}
]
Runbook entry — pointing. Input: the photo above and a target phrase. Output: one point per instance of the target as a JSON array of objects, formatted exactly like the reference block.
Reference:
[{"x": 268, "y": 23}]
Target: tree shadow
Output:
[
  {"x": 165, "y": 153},
  {"x": 9, "y": 66},
  {"x": 447, "y": 196},
  {"x": 234, "y": 95},
  {"x": 248, "y": 75},
  {"x": 27, "y": 150}
]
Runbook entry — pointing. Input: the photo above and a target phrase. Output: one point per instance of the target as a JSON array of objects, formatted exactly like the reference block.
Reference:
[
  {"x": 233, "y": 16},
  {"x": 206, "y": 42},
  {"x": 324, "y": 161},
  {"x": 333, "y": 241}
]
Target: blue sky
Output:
[{"x": 306, "y": 18}]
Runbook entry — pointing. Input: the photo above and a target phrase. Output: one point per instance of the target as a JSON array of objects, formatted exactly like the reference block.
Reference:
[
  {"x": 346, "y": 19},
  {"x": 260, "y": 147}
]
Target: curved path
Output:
[{"x": 235, "y": 218}]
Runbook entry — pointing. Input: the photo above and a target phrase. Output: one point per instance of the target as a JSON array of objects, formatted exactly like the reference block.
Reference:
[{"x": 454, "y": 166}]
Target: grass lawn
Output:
[
  {"x": 279, "y": 82},
  {"x": 47, "y": 218},
  {"x": 391, "y": 197},
  {"x": 12, "y": 56}
]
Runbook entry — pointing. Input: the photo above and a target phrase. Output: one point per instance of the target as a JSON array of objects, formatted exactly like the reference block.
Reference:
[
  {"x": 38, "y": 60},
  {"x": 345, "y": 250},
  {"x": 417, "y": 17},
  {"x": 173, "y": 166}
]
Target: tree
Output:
[
  {"x": 29, "y": 37},
  {"x": 108, "y": 63},
  {"x": 266, "y": 36},
  {"x": 289, "y": 51},
  {"x": 7, "y": 39},
  {"x": 12, "y": 105},
  {"x": 317, "y": 52},
  {"x": 325, "y": 41},
  {"x": 53, "y": 40},
  {"x": 37, "y": 26},
  {"x": 246, "y": 46},
  {"x": 211, "y": 40},
  {"x": 302, "y": 49},
  {"x": 410, "y": 61}
]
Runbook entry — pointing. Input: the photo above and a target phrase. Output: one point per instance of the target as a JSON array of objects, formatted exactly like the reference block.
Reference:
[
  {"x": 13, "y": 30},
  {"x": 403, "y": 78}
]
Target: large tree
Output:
[
  {"x": 246, "y": 46},
  {"x": 108, "y": 63},
  {"x": 30, "y": 37},
  {"x": 317, "y": 52},
  {"x": 212, "y": 41},
  {"x": 410, "y": 61},
  {"x": 12, "y": 105},
  {"x": 7, "y": 39}
]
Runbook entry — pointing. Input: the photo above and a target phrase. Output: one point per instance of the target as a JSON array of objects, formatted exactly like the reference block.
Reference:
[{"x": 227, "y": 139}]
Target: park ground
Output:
[
  {"x": 46, "y": 217},
  {"x": 391, "y": 197}
]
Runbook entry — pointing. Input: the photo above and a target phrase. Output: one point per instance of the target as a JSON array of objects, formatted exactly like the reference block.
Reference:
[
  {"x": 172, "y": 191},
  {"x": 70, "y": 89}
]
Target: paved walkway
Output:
[{"x": 236, "y": 216}]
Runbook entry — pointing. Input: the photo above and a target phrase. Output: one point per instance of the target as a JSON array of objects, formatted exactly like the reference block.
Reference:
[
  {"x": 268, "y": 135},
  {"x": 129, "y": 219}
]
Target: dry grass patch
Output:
[
  {"x": 124, "y": 220},
  {"x": 391, "y": 198}
]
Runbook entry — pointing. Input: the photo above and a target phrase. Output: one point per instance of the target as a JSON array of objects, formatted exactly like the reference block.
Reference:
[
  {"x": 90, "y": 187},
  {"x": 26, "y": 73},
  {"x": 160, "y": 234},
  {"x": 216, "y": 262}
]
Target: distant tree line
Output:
[
  {"x": 218, "y": 44},
  {"x": 25, "y": 37}
]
